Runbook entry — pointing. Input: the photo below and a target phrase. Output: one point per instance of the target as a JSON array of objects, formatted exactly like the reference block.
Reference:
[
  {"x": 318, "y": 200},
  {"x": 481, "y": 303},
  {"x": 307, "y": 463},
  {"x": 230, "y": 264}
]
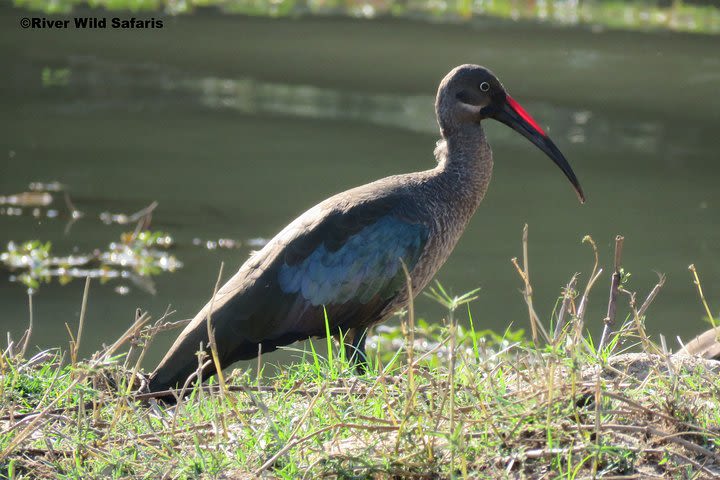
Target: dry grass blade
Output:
[
  {"x": 287, "y": 446},
  {"x": 409, "y": 330},
  {"x": 35, "y": 422},
  {"x": 130, "y": 333},
  {"x": 211, "y": 337},
  {"x": 696, "y": 281},
  {"x": 639, "y": 315},
  {"x": 609, "y": 320},
  {"x": 143, "y": 218},
  {"x": 75, "y": 342},
  {"x": 535, "y": 324},
  {"x": 28, "y": 333},
  {"x": 564, "y": 307},
  {"x": 661, "y": 435},
  {"x": 594, "y": 275}
]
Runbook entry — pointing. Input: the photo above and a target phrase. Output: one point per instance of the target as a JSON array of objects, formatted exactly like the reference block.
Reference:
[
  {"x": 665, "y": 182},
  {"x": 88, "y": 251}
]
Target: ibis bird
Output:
[{"x": 343, "y": 257}]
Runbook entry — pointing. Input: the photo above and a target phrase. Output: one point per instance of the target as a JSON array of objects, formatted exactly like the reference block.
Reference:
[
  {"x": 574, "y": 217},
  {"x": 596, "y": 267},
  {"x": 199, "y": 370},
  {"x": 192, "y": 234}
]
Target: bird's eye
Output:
[{"x": 484, "y": 86}]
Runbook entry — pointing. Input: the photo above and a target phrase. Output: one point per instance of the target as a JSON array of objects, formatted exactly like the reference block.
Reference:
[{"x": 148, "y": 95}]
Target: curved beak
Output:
[{"x": 515, "y": 117}]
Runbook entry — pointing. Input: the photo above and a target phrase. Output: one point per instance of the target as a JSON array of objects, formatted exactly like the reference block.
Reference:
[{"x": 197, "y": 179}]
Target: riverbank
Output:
[{"x": 439, "y": 401}]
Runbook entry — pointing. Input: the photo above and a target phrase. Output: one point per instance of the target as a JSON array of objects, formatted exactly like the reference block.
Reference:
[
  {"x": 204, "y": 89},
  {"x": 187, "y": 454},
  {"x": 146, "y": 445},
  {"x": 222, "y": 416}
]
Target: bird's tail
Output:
[
  {"x": 190, "y": 360},
  {"x": 181, "y": 363}
]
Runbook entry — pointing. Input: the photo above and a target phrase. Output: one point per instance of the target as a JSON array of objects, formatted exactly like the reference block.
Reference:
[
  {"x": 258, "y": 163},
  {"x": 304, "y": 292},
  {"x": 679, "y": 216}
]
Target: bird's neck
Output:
[
  {"x": 451, "y": 194},
  {"x": 465, "y": 163}
]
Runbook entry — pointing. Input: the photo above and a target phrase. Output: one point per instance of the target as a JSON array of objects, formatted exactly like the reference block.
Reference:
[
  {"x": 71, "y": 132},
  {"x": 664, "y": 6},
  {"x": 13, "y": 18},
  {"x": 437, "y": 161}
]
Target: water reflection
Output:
[
  {"x": 140, "y": 87},
  {"x": 250, "y": 96}
]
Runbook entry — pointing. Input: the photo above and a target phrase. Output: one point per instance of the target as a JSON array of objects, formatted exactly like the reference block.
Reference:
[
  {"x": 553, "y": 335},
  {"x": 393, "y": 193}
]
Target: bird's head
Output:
[{"x": 471, "y": 93}]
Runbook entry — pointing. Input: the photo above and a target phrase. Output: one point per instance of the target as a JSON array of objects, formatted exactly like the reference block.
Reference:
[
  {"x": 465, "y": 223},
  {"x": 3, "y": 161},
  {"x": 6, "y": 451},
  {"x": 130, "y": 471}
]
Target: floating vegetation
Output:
[
  {"x": 33, "y": 258},
  {"x": 227, "y": 243},
  {"x": 27, "y": 199},
  {"x": 136, "y": 257},
  {"x": 123, "y": 218},
  {"x": 46, "y": 187},
  {"x": 40, "y": 202}
]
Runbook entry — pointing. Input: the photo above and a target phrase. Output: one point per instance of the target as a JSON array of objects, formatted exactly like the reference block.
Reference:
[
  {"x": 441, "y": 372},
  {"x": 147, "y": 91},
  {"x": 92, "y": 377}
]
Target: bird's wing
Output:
[
  {"x": 363, "y": 268},
  {"x": 345, "y": 260}
]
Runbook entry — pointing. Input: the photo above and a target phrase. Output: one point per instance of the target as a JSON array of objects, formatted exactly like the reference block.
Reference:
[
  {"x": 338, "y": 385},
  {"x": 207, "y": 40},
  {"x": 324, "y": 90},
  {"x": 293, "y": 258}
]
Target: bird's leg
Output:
[{"x": 355, "y": 351}]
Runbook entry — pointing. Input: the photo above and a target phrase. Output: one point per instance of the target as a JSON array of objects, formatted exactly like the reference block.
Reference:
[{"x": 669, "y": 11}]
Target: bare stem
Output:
[
  {"x": 28, "y": 332},
  {"x": 535, "y": 324},
  {"x": 528, "y": 286},
  {"x": 696, "y": 281},
  {"x": 609, "y": 320},
  {"x": 213, "y": 343},
  {"x": 83, "y": 308},
  {"x": 594, "y": 275}
]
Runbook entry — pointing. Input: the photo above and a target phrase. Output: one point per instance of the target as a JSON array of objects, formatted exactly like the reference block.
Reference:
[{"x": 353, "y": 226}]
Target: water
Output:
[{"x": 235, "y": 125}]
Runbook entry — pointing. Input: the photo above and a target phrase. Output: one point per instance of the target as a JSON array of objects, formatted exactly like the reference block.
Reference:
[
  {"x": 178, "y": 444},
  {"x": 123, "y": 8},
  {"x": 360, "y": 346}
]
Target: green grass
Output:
[{"x": 438, "y": 401}]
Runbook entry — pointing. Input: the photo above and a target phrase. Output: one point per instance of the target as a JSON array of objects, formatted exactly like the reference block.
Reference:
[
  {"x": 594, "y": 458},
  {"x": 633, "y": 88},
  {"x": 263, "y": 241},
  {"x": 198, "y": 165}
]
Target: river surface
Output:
[{"x": 235, "y": 125}]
